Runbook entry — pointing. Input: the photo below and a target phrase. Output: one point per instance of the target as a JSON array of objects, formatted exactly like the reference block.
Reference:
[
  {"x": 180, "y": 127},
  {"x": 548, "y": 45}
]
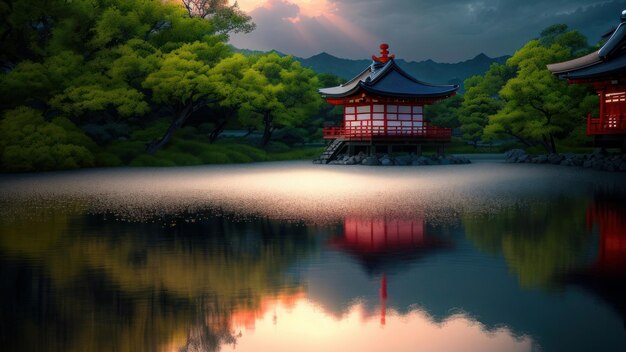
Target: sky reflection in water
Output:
[
  {"x": 289, "y": 256},
  {"x": 301, "y": 191}
]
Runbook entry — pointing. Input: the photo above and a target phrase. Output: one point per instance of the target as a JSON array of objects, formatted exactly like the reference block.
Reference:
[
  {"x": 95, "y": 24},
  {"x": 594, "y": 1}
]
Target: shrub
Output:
[
  {"x": 29, "y": 143},
  {"x": 214, "y": 157}
]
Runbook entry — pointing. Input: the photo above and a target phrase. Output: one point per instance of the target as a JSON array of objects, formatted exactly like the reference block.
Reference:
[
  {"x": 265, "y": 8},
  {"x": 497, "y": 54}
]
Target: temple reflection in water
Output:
[
  {"x": 368, "y": 283},
  {"x": 381, "y": 244}
]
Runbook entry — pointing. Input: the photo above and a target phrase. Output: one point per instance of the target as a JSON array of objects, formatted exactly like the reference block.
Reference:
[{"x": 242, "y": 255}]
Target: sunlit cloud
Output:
[
  {"x": 303, "y": 28},
  {"x": 309, "y": 8}
]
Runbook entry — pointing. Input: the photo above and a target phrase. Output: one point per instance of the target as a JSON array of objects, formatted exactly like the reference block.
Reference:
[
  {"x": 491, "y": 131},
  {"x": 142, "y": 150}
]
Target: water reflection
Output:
[
  {"x": 383, "y": 244},
  {"x": 539, "y": 241},
  {"x": 83, "y": 283},
  {"x": 304, "y": 326},
  {"x": 606, "y": 275},
  {"x": 289, "y": 258}
]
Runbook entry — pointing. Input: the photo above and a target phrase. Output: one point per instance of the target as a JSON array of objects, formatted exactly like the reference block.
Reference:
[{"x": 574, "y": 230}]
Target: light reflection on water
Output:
[
  {"x": 301, "y": 191},
  {"x": 289, "y": 256},
  {"x": 288, "y": 327}
]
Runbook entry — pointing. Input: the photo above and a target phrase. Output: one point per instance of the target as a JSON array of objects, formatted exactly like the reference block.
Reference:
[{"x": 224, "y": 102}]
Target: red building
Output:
[
  {"x": 605, "y": 70},
  {"x": 383, "y": 107}
]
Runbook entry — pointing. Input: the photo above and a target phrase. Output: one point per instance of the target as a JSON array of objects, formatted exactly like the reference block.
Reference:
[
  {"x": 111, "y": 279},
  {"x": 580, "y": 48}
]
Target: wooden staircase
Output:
[{"x": 332, "y": 150}]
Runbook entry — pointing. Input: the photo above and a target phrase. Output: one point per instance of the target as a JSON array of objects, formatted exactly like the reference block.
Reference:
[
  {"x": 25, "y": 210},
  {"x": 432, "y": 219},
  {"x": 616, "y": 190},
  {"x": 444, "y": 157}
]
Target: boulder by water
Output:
[
  {"x": 400, "y": 160},
  {"x": 597, "y": 160}
]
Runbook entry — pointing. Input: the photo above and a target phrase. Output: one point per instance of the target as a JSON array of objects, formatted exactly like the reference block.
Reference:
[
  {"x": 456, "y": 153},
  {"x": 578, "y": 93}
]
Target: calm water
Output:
[{"x": 299, "y": 257}]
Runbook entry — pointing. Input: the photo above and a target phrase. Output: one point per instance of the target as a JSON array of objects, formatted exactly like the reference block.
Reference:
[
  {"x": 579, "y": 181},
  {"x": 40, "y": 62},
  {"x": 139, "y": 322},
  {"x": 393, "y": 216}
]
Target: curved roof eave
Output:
[
  {"x": 575, "y": 64},
  {"x": 605, "y": 68},
  {"x": 411, "y": 95}
]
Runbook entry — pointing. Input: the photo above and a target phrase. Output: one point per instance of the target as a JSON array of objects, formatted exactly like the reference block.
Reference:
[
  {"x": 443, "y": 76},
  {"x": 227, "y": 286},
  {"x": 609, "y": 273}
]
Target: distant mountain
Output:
[{"x": 427, "y": 71}]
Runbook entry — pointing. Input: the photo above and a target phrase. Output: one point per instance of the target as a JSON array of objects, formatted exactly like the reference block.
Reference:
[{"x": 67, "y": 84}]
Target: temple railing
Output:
[
  {"x": 610, "y": 124},
  {"x": 388, "y": 132}
]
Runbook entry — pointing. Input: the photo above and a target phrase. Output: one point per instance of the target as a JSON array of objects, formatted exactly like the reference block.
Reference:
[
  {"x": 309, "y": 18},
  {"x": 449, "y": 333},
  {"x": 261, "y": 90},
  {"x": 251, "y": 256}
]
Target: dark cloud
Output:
[{"x": 446, "y": 31}]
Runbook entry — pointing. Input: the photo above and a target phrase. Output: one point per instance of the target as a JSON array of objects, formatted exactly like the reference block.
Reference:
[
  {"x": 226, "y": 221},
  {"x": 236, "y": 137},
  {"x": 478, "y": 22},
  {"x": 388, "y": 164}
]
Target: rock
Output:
[
  {"x": 578, "y": 160},
  {"x": 555, "y": 159},
  {"x": 444, "y": 161},
  {"x": 622, "y": 166},
  {"x": 317, "y": 161},
  {"x": 386, "y": 161},
  {"x": 588, "y": 163},
  {"x": 568, "y": 156},
  {"x": 351, "y": 160},
  {"x": 370, "y": 160},
  {"x": 430, "y": 161},
  {"x": 512, "y": 155},
  {"x": 597, "y": 164},
  {"x": 402, "y": 161},
  {"x": 523, "y": 158}
]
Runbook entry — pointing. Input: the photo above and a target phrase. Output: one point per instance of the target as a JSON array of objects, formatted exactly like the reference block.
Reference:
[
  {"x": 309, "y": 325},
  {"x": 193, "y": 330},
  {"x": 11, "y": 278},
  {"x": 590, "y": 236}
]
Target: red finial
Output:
[{"x": 384, "y": 54}]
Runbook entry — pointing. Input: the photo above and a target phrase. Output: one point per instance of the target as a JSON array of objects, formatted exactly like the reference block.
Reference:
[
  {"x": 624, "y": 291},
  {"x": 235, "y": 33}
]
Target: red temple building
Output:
[
  {"x": 605, "y": 70},
  {"x": 384, "y": 107}
]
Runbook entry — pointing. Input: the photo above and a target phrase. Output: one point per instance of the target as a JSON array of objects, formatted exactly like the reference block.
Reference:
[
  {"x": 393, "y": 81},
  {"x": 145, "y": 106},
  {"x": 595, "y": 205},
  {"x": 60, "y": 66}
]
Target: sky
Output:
[{"x": 441, "y": 30}]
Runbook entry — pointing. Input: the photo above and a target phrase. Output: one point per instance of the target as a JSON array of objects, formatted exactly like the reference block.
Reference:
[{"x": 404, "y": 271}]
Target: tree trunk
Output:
[
  {"x": 180, "y": 119},
  {"x": 548, "y": 144},
  {"x": 217, "y": 131},
  {"x": 269, "y": 128},
  {"x": 552, "y": 144}
]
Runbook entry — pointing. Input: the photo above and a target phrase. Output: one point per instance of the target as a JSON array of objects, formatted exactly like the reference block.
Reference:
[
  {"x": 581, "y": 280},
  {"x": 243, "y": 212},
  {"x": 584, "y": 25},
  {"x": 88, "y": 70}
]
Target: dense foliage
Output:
[
  {"x": 111, "y": 82},
  {"x": 522, "y": 100}
]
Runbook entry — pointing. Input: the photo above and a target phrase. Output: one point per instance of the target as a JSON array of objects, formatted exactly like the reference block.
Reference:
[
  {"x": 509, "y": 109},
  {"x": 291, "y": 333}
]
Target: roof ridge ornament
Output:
[
  {"x": 384, "y": 54},
  {"x": 623, "y": 16}
]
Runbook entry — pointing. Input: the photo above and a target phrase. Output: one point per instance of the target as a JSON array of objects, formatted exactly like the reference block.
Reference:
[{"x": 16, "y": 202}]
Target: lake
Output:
[{"x": 290, "y": 256}]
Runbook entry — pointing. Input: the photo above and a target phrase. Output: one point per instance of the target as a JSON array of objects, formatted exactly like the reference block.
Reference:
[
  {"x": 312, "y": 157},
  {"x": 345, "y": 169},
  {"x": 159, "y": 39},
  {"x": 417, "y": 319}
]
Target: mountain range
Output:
[{"x": 427, "y": 70}]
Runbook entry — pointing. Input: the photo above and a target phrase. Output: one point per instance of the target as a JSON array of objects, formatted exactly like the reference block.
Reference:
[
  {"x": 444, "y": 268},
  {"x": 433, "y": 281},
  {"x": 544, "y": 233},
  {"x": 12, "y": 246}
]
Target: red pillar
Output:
[{"x": 383, "y": 299}]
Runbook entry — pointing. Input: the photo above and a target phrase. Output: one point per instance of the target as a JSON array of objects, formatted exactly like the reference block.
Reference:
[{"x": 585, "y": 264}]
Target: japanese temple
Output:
[
  {"x": 384, "y": 109},
  {"x": 605, "y": 70}
]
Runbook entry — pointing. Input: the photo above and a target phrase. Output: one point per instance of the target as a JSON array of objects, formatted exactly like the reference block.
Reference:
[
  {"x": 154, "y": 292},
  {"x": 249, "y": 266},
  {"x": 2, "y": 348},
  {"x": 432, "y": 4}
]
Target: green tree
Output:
[
  {"x": 445, "y": 113},
  {"x": 481, "y": 100},
  {"x": 185, "y": 82},
  {"x": 281, "y": 94},
  {"x": 538, "y": 107}
]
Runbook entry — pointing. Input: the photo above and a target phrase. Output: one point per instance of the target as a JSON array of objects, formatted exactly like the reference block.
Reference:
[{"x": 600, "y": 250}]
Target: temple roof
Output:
[
  {"x": 609, "y": 60},
  {"x": 384, "y": 77}
]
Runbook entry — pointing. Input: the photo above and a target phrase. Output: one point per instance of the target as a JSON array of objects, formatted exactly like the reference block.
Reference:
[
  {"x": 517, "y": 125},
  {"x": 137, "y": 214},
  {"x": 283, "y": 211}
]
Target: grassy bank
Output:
[{"x": 193, "y": 152}]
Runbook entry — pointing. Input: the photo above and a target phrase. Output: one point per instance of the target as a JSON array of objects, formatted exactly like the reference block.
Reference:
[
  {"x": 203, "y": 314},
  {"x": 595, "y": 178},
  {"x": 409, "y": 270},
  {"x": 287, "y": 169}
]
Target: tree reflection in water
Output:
[{"x": 82, "y": 283}]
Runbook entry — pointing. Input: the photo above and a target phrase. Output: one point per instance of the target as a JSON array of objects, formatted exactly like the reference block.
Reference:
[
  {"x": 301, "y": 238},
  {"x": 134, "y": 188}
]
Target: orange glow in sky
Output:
[
  {"x": 304, "y": 326},
  {"x": 311, "y": 8}
]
